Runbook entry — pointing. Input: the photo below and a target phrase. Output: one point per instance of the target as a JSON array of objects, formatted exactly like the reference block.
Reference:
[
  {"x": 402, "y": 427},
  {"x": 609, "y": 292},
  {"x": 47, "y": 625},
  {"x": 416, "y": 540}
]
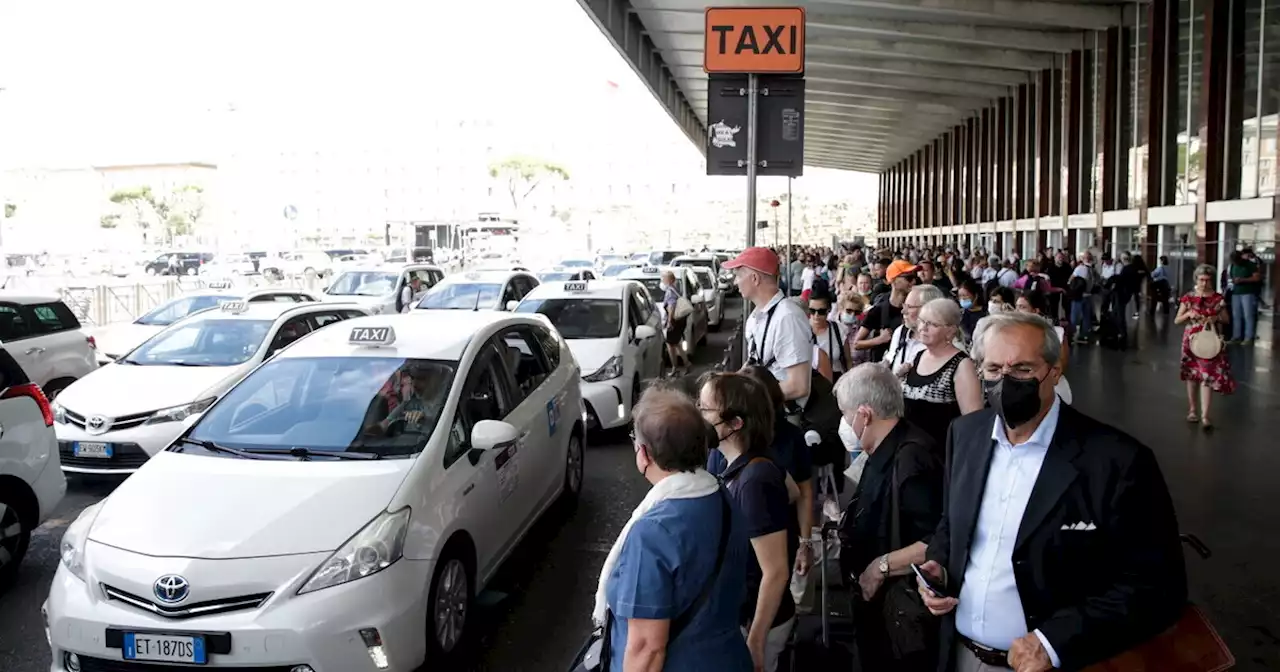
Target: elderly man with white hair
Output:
[
  {"x": 903, "y": 345},
  {"x": 895, "y": 510}
]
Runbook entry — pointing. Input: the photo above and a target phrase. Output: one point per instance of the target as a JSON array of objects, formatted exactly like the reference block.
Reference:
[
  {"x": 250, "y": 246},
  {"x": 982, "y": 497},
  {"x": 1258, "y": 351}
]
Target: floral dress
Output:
[{"x": 1216, "y": 372}]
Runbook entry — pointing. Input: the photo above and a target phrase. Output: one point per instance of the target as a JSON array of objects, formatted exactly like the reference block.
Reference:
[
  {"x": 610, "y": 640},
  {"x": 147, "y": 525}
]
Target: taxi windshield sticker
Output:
[
  {"x": 575, "y": 286},
  {"x": 553, "y": 416},
  {"x": 372, "y": 336},
  {"x": 507, "y": 464}
]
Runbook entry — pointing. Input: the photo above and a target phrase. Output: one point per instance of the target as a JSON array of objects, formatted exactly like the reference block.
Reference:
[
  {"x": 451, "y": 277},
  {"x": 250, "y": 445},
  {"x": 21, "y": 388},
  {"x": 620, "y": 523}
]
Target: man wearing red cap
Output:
[{"x": 778, "y": 333}]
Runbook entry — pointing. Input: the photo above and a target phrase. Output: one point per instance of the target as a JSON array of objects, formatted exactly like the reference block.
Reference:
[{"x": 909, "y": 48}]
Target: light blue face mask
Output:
[{"x": 966, "y": 303}]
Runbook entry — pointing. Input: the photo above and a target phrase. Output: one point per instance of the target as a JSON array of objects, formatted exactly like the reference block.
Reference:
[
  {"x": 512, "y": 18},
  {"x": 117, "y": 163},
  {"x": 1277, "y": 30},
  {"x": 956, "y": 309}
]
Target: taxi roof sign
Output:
[
  {"x": 373, "y": 336},
  {"x": 746, "y": 40},
  {"x": 236, "y": 307},
  {"x": 650, "y": 269},
  {"x": 218, "y": 284},
  {"x": 575, "y": 286}
]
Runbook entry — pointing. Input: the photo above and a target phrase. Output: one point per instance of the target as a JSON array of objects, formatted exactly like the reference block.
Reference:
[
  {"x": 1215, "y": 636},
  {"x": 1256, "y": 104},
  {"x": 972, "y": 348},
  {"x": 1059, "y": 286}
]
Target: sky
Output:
[{"x": 116, "y": 81}]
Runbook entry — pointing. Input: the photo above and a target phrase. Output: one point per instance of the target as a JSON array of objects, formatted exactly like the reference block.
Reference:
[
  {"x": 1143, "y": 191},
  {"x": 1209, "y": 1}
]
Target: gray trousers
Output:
[{"x": 967, "y": 662}]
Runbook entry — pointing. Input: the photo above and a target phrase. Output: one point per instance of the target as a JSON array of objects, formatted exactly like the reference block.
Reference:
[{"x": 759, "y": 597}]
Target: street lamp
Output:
[{"x": 774, "y": 204}]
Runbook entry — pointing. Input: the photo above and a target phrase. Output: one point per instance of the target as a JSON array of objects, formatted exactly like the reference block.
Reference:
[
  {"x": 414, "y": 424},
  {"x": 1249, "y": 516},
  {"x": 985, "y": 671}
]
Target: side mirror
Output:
[
  {"x": 511, "y": 306},
  {"x": 645, "y": 332},
  {"x": 488, "y": 434}
]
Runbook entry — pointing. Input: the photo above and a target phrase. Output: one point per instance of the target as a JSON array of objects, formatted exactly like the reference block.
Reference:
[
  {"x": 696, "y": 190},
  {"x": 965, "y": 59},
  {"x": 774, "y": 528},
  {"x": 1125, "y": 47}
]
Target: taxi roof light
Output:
[
  {"x": 372, "y": 336},
  {"x": 575, "y": 286},
  {"x": 218, "y": 284},
  {"x": 649, "y": 269},
  {"x": 234, "y": 307}
]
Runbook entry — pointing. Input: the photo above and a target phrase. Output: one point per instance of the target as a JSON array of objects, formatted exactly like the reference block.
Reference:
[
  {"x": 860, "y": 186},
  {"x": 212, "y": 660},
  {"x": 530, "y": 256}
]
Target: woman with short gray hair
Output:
[
  {"x": 895, "y": 509},
  {"x": 1203, "y": 309},
  {"x": 941, "y": 383}
]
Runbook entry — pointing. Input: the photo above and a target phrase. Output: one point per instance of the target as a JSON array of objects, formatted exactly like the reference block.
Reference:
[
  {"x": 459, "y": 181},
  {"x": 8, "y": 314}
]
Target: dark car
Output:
[{"x": 189, "y": 263}]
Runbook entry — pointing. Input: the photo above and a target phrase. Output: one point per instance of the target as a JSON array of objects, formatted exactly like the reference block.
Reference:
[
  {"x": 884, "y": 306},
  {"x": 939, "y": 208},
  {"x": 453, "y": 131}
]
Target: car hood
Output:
[
  {"x": 216, "y": 508},
  {"x": 592, "y": 353},
  {"x": 115, "y": 390},
  {"x": 119, "y": 339}
]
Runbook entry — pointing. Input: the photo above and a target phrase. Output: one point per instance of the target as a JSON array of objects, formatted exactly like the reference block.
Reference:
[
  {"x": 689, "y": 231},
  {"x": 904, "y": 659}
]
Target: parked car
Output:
[
  {"x": 227, "y": 265},
  {"x": 189, "y": 263},
  {"x": 31, "y": 481},
  {"x": 46, "y": 339},
  {"x": 311, "y": 262}
]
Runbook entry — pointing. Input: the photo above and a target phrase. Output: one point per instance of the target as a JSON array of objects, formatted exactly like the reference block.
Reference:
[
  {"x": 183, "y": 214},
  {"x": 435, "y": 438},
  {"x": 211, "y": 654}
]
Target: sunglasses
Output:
[{"x": 818, "y": 311}]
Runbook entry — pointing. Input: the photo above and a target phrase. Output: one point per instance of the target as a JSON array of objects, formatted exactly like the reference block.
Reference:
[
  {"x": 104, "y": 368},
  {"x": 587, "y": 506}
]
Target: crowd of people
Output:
[{"x": 914, "y": 403}]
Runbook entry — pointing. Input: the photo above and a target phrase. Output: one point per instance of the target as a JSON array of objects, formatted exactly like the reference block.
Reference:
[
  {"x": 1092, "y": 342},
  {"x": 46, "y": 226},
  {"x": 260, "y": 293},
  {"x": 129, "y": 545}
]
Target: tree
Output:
[
  {"x": 9, "y": 210},
  {"x": 109, "y": 221},
  {"x": 190, "y": 201},
  {"x": 523, "y": 174},
  {"x": 139, "y": 199},
  {"x": 177, "y": 214}
]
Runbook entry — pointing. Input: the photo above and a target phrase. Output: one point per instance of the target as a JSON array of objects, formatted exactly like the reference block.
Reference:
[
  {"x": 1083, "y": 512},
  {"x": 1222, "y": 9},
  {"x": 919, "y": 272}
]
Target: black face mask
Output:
[{"x": 1017, "y": 401}]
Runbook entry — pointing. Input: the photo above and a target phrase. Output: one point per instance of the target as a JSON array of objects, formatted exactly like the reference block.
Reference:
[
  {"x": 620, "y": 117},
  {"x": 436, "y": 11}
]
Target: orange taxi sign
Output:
[{"x": 754, "y": 40}]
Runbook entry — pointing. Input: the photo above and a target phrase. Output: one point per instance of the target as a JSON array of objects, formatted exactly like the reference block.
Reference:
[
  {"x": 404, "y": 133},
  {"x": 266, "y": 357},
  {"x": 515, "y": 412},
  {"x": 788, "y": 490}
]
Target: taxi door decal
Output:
[
  {"x": 507, "y": 464},
  {"x": 553, "y": 416}
]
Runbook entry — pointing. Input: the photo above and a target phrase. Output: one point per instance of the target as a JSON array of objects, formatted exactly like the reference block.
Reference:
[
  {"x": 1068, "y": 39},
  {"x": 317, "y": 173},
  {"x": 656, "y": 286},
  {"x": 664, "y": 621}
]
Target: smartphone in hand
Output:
[{"x": 934, "y": 585}]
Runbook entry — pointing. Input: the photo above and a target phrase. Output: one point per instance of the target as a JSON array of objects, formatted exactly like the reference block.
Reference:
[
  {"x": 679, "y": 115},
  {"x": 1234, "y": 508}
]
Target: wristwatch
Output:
[{"x": 884, "y": 564}]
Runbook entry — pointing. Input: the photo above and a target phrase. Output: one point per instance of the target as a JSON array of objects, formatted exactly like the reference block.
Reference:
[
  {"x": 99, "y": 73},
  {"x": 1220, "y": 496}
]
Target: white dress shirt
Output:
[
  {"x": 903, "y": 347},
  {"x": 789, "y": 340},
  {"x": 990, "y": 610}
]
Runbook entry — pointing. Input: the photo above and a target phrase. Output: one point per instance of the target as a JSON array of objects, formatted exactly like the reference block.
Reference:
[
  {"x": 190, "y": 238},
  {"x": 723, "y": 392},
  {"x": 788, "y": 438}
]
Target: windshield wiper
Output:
[
  {"x": 303, "y": 453},
  {"x": 127, "y": 361},
  {"x": 184, "y": 364},
  {"x": 215, "y": 448}
]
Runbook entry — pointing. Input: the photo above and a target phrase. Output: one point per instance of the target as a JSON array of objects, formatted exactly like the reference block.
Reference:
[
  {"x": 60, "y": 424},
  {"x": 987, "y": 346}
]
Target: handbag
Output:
[
  {"x": 683, "y": 309},
  {"x": 911, "y": 629},
  {"x": 1206, "y": 343},
  {"x": 1190, "y": 645},
  {"x": 594, "y": 654}
]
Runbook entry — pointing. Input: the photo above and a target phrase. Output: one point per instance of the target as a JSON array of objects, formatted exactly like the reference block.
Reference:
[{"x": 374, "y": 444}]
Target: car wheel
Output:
[
  {"x": 448, "y": 609},
  {"x": 151, "y": 271},
  {"x": 573, "y": 471},
  {"x": 14, "y": 538},
  {"x": 191, "y": 270},
  {"x": 55, "y": 387},
  {"x": 308, "y": 271}
]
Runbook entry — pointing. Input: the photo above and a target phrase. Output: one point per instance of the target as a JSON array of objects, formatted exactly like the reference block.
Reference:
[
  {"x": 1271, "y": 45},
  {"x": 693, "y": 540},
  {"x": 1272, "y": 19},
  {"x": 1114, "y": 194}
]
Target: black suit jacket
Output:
[{"x": 1092, "y": 593}]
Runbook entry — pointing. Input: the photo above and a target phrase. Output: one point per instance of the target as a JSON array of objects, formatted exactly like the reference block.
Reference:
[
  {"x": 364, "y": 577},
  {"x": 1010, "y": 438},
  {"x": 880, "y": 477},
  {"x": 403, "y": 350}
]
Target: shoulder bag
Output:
[
  {"x": 594, "y": 655},
  {"x": 911, "y": 628},
  {"x": 683, "y": 309},
  {"x": 1206, "y": 343}
]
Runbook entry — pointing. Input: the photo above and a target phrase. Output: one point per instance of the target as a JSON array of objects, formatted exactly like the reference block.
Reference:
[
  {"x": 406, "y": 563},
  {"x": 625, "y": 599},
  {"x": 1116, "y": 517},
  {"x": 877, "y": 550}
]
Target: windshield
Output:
[
  {"x": 579, "y": 318},
  {"x": 614, "y": 270},
  {"x": 203, "y": 342},
  {"x": 461, "y": 296},
  {"x": 362, "y": 283},
  {"x": 704, "y": 280},
  {"x": 654, "y": 285},
  {"x": 663, "y": 258},
  {"x": 181, "y": 307},
  {"x": 385, "y": 406},
  {"x": 576, "y": 263},
  {"x": 556, "y": 276}
]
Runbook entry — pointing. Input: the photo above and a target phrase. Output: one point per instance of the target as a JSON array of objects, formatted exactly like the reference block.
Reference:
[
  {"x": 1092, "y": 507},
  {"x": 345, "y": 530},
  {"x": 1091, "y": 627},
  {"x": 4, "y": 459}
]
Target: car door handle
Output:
[{"x": 35, "y": 351}]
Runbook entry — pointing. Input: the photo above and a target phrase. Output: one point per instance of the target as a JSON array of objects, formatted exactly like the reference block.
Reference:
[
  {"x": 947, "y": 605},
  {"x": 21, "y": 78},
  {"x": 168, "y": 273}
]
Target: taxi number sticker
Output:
[
  {"x": 553, "y": 416},
  {"x": 507, "y": 464}
]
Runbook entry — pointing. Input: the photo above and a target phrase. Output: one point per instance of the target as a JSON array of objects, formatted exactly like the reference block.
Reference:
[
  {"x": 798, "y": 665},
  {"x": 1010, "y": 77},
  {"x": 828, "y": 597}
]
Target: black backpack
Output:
[{"x": 822, "y": 415}]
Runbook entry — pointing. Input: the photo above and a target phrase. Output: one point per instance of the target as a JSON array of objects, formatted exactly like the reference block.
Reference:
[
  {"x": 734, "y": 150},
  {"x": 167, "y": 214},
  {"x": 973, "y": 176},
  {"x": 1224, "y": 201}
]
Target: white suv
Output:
[
  {"x": 31, "y": 482},
  {"x": 45, "y": 338}
]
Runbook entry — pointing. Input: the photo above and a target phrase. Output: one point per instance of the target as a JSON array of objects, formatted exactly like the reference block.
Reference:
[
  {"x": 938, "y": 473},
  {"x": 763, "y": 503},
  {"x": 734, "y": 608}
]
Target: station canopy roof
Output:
[{"x": 883, "y": 77}]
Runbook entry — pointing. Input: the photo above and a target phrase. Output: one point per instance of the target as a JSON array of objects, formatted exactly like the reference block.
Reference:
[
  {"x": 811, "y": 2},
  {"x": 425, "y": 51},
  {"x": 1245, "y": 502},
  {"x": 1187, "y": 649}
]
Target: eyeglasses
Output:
[
  {"x": 1022, "y": 371},
  {"x": 921, "y": 324},
  {"x": 913, "y": 306},
  {"x": 818, "y": 310}
]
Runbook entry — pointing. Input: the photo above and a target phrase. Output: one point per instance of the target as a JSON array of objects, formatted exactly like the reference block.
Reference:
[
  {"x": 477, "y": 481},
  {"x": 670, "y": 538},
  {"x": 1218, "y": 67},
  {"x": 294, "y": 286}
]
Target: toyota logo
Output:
[
  {"x": 96, "y": 424},
  {"x": 172, "y": 588}
]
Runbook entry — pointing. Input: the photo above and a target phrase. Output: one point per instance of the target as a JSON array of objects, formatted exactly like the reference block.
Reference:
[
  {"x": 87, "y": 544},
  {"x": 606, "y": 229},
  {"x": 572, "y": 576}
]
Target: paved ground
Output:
[{"x": 1222, "y": 483}]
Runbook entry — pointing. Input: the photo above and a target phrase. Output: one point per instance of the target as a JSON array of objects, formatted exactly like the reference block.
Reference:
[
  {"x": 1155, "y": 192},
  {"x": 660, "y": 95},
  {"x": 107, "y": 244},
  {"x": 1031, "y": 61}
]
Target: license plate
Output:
[
  {"x": 165, "y": 648},
  {"x": 91, "y": 449}
]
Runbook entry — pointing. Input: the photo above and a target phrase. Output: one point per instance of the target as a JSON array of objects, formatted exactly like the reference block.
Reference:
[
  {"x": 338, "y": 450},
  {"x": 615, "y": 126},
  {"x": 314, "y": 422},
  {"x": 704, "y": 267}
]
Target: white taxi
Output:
[
  {"x": 612, "y": 329},
  {"x": 695, "y": 332},
  {"x": 336, "y": 511},
  {"x": 479, "y": 290},
  {"x": 712, "y": 296},
  {"x": 117, "y": 339},
  {"x": 114, "y": 419},
  {"x": 380, "y": 287}
]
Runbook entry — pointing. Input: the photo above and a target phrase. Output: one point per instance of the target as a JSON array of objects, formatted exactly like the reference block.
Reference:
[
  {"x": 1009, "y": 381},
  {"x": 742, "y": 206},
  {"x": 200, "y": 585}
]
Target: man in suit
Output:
[{"x": 1058, "y": 536}]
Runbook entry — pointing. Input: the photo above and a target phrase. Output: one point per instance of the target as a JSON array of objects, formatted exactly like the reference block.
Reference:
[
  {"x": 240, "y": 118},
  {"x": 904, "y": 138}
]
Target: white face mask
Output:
[{"x": 852, "y": 442}]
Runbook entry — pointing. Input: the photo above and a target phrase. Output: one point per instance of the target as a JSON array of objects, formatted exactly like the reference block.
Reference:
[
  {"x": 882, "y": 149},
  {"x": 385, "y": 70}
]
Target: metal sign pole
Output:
[
  {"x": 788, "y": 269},
  {"x": 752, "y": 112}
]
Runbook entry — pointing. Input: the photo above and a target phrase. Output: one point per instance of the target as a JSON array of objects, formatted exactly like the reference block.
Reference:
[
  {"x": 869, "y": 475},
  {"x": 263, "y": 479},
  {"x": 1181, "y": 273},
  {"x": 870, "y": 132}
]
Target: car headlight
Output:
[
  {"x": 180, "y": 413},
  {"x": 611, "y": 369},
  {"x": 71, "y": 550},
  {"x": 371, "y": 550},
  {"x": 59, "y": 414}
]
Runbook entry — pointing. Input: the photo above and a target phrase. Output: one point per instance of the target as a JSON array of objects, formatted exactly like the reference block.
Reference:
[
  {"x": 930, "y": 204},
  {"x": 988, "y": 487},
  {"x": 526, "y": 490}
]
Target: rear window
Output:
[
  {"x": 54, "y": 317},
  {"x": 704, "y": 280},
  {"x": 11, "y": 372},
  {"x": 579, "y": 318},
  {"x": 179, "y": 308}
]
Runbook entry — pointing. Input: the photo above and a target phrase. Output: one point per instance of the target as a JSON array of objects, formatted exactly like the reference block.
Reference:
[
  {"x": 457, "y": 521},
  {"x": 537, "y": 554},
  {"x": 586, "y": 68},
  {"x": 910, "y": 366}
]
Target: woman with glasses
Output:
[
  {"x": 1203, "y": 309},
  {"x": 829, "y": 355},
  {"x": 671, "y": 587},
  {"x": 740, "y": 410},
  {"x": 941, "y": 384}
]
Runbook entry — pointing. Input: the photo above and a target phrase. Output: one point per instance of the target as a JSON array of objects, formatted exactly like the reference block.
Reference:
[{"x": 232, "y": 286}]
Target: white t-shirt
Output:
[
  {"x": 806, "y": 278},
  {"x": 902, "y": 348},
  {"x": 788, "y": 340},
  {"x": 833, "y": 338},
  {"x": 408, "y": 299}
]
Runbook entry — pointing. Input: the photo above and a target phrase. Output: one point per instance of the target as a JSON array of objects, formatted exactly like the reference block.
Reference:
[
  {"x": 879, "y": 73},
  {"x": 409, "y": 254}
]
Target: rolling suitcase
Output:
[{"x": 824, "y": 640}]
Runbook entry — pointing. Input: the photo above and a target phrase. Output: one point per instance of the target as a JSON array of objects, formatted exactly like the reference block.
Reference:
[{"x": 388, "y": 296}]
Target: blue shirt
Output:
[
  {"x": 759, "y": 488},
  {"x": 789, "y": 452},
  {"x": 665, "y": 563}
]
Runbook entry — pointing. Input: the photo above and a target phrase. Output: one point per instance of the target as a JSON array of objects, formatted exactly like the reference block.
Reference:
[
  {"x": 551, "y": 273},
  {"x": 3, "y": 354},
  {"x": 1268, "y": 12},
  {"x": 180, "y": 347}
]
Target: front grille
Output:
[
  {"x": 122, "y": 422},
  {"x": 88, "y": 664},
  {"x": 123, "y": 456},
  {"x": 207, "y": 608}
]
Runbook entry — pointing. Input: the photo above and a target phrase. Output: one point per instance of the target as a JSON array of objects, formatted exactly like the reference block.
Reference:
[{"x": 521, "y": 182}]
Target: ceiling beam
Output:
[
  {"x": 924, "y": 84},
  {"x": 1042, "y": 12},
  {"x": 852, "y": 94},
  {"x": 909, "y": 68},
  {"x": 954, "y": 33}
]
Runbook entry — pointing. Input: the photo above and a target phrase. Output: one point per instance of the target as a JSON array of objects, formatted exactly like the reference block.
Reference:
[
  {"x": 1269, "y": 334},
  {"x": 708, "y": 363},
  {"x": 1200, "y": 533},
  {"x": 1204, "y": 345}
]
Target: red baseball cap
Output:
[{"x": 760, "y": 259}]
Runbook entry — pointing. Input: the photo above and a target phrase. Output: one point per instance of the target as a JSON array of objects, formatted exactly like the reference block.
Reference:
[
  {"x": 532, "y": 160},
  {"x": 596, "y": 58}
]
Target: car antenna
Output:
[{"x": 477, "y": 308}]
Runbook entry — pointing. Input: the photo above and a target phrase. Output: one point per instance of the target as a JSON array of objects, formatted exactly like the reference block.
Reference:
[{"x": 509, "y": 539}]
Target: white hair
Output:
[
  {"x": 926, "y": 293},
  {"x": 996, "y": 323},
  {"x": 873, "y": 385},
  {"x": 946, "y": 312}
]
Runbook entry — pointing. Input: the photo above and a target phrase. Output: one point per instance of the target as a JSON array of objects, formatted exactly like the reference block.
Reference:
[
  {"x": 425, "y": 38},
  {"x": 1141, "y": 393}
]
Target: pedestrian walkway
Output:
[{"x": 1224, "y": 483}]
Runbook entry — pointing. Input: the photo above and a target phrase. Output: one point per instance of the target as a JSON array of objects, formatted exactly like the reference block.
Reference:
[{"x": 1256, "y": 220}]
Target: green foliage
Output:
[
  {"x": 9, "y": 210},
  {"x": 178, "y": 213},
  {"x": 523, "y": 174},
  {"x": 110, "y": 221}
]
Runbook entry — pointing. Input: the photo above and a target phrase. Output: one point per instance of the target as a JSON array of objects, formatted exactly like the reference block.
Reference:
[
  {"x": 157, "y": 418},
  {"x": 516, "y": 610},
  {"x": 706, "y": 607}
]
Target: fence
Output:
[{"x": 103, "y": 304}]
